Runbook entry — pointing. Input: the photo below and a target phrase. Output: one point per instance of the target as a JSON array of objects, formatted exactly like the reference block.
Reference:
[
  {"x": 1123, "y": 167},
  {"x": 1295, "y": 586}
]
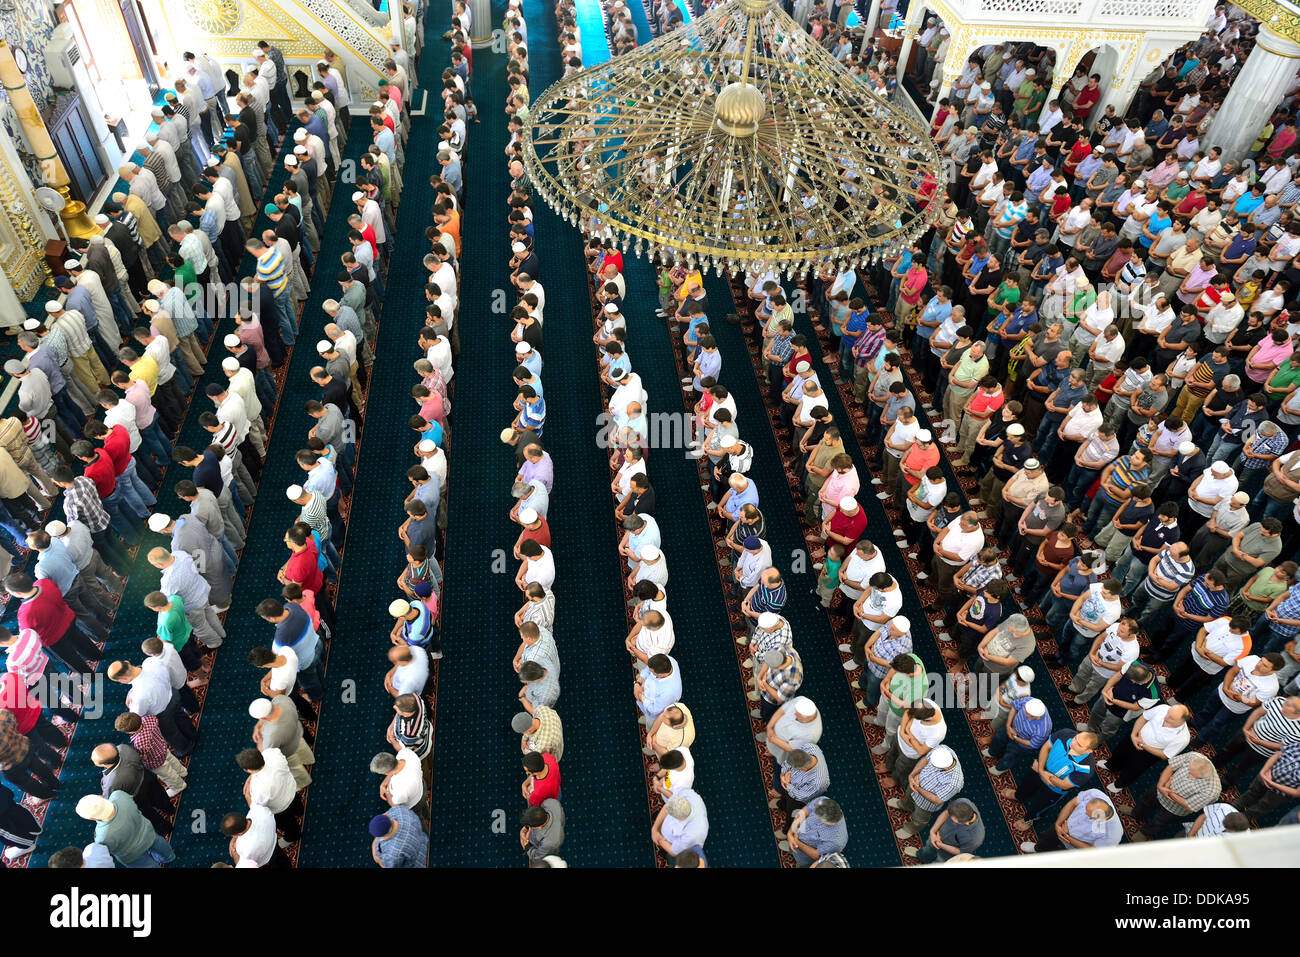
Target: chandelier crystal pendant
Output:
[{"x": 734, "y": 143}]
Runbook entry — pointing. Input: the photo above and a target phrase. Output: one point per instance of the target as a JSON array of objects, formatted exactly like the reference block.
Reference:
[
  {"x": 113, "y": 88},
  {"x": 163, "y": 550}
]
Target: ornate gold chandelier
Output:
[{"x": 734, "y": 143}]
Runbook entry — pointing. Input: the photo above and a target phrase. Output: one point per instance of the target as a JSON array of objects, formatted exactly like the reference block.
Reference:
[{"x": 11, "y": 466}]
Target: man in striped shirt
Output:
[
  {"x": 1270, "y": 727},
  {"x": 1168, "y": 571},
  {"x": 273, "y": 271},
  {"x": 315, "y": 514},
  {"x": 25, "y": 655}
]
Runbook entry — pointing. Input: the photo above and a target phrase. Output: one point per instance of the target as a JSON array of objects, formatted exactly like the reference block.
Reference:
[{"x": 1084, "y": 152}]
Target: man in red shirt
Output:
[
  {"x": 116, "y": 443},
  {"x": 1088, "y": 97},
  {"x": 303, "y": 566},
  {"x": 543, "y": 780},
  {"x": 28, "y": 713},
  {"x": 44, "y": 611},
  {"x": 98, "y": 467},
  {"x": 846, "y": 524},
  {"x": 537, "y": 529}
]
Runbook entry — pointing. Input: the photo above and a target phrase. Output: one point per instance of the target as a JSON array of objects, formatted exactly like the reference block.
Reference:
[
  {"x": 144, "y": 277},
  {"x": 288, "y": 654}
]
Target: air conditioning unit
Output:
[
  {"x": 67, "y": 72},
  {"x": 62, "y": 57}
]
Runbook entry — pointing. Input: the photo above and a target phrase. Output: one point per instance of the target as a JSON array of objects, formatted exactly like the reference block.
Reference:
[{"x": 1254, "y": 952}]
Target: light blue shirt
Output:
[
  {"x": 57, "y": 565},
  {"x": 660, "y": 692}
]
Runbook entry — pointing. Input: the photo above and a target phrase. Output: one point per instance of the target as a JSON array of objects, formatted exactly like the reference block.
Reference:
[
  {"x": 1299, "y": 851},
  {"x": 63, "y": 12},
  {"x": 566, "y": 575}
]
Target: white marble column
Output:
[
  {"x": 915, "y": 17},
  {"x": 480, "y": 14},
  {"x": 870, "y": 24},
  {"x": 11, "y": 310},
  {"x": 1255, "y": 94}
]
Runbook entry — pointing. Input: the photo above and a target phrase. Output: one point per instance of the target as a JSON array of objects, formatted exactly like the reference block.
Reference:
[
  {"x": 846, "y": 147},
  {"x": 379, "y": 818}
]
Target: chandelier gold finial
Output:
[{"x": 739, "y": 108}]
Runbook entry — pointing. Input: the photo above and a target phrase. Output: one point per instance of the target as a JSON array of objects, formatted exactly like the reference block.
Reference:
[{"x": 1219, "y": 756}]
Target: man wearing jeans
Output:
[{"x": 127, "y": 834}]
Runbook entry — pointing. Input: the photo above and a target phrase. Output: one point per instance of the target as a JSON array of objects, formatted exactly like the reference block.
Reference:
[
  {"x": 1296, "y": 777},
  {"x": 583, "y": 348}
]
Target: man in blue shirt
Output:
[
  {"x": 57, "y": 564},
  {"x": 1065, "y": 765},
  {"x": 1027, "y": 727},
  {"x": 929, "y": 319},
  {"x": 293, "y": 629},
  {"x": 658, "y": 685}
]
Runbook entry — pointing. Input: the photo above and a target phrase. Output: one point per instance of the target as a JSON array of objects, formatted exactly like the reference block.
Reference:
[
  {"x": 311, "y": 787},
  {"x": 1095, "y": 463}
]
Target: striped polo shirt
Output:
[
  {"x": 1125, "y": 476},
  {"x": 271, "y": 270},
  {"x": 1275, "y": 727},
  {"x": 1171, "y": 570}
]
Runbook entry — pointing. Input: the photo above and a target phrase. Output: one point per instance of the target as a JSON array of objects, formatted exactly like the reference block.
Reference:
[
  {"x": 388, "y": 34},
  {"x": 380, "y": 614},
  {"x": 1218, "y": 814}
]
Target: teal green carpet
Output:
[
  {"x": 477, "y": 772},
  {"x": 344, "y": 794}
]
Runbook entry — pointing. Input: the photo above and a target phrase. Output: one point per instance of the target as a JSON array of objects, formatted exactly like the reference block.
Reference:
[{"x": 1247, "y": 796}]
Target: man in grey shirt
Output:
[{"x": 542, "y": 833}]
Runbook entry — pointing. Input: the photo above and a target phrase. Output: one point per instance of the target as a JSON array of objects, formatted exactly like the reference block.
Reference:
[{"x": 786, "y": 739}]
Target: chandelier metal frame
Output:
[{"x": 734, "y": 143}]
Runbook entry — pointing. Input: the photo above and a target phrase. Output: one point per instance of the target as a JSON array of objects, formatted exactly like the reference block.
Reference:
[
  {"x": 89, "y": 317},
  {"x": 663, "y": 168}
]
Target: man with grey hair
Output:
[
  {"x": 1188, "y": 784},
  {"x": 403, "y": 779},
  {"x": 682, "y": 824},
  {"x": 1003, "y": 648}
]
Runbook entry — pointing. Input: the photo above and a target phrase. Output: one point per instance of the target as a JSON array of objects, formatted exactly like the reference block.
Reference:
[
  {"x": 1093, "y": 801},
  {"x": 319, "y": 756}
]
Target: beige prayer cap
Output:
[{"x": 92, "y": 807}]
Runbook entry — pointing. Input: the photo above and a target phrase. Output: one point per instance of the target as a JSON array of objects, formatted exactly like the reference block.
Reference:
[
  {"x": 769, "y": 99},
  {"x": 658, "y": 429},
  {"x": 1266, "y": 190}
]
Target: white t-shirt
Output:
[
  {"x": 256, "y": 845},
  {"x": 1106, "y": 610},
  {"x": 657, "y": 640},
  {"x": 411, "y": 678},
  {"x": 1109, "y": 350},
  {"x": 273, "y": 786},
  {"x": 932, "y": 494},
  {"x": 684, "y": 777},
  {"x": 859, "y": 569},
  {"x": 1258, "y": 688},
  {"x": 1221, "y": 641},
  {"x": 406, "y": 787},
  {"x": 885, "y": 604},
  {"x": 929, "y": 735},
  {"x": 1169, "y": 740},
  {"x": 1212, "y": 487},
  {"x": 1080, "y": 423},
  {"x": 903, "y": 432},
  {"x": 1116, "y": 652},
  {"x": 541, "y": 570},
  {"x": 964, "y": 544},
  {"x": 285, "y": 676}
]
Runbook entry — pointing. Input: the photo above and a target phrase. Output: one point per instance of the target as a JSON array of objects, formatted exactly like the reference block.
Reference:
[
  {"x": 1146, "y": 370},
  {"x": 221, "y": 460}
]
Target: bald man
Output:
[{"x": 121, "y": 768}]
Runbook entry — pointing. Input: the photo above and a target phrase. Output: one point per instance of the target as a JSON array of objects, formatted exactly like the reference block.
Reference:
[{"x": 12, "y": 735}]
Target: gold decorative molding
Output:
[
  {"x": 1279, "y": 19},
  {"x": 22, "y": 243}
]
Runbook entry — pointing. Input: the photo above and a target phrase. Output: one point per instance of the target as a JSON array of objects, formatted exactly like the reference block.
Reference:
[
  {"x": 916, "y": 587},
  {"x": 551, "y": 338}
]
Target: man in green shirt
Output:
[
  {"x": 964, "y": 379},
  {"x": 905, "y": 683},
  {"x": 1284, "y": 379},
  {"x": 1037, "y": 98},
  {"x": 121, "y": 828},
  {"x": 174, "y": 628},
  {"x": 1023, "y": 94}
]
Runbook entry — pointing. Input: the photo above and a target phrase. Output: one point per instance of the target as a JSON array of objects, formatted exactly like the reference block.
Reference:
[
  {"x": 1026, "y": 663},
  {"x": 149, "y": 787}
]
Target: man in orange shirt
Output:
[{"x": 916, "y": 461}]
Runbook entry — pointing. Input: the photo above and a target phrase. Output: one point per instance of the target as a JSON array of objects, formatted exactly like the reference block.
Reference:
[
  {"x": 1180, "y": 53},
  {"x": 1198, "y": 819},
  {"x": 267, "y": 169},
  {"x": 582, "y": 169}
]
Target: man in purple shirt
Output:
[{"x": 537, "y": 466}]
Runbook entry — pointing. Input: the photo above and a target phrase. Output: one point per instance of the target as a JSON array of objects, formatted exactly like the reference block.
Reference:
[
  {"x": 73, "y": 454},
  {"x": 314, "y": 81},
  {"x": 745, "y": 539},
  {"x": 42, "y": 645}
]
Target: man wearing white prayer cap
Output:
[{"x": 124, "y": 831}]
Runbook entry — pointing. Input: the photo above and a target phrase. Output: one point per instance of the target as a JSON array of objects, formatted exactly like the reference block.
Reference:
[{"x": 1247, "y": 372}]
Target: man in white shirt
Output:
[
  {"x": 1112, "y": 651},
  {"x": 1158, "y": 734},
  {"x": 270, "y": 783},
  {"x": 403, "y": 783},
  {"x": 956, "y": 544},
  {"x": 253, "y": 838},
  {"x": 1248, "y": 684}
]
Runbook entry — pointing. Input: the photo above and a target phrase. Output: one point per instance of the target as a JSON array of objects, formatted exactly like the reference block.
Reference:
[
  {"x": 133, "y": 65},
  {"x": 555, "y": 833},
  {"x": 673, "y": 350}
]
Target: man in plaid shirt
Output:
[
  {"x": 147, "y": 738},
  {"x": 81, "y": 503}
]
